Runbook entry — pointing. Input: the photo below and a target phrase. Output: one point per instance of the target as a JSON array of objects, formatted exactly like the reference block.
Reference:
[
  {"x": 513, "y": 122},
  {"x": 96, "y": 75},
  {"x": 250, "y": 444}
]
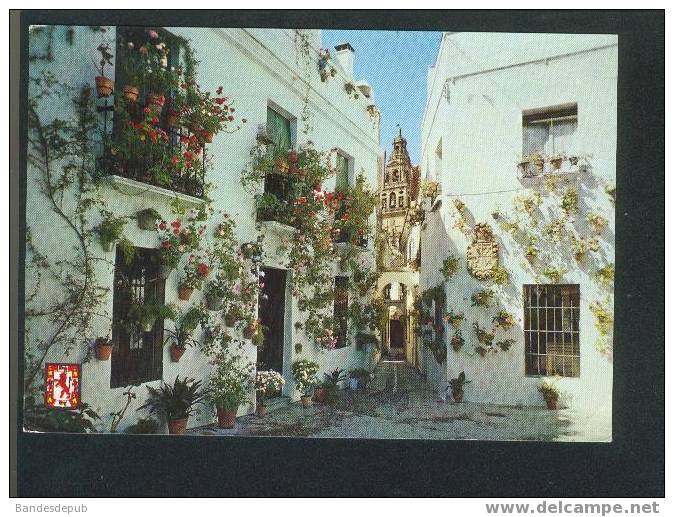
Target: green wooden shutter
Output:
[
  {"x": 342, "y": 179},
  {"x": 279, "y": 129}
]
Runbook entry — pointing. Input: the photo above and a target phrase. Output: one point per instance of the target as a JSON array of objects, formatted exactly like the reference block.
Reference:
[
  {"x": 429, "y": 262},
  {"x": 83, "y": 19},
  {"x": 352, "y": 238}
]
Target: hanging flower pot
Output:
[
  {"x": 172, "y": 118},
  {"x": 319, "y": 394},
  {"x": 457, "y": 394},
  {"x": 226, "y": 417},
  {"x": 103, "y": 348},
  {"x": 176, "y": 352},
  {"x": 230, "y": 320},
  {"x": 214, "y": 302},
  {"x": 104, "y": 86},
  {"x": 147, "y": 323},
  {"x": 184, "y": 292},
  {"x": 178, "y": 425},
  {"x": 155, "y": 102},
  {"x": 131, "y": 93},
  {"x": 147, "y": 218},
  {"x": 249, "y": 331}
]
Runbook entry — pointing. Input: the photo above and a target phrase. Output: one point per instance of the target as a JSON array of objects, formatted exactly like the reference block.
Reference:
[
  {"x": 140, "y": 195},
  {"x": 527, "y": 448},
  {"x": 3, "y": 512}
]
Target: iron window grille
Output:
[
  {"x": 137, "y": 355},
  {"x": 551, "y": 331}
]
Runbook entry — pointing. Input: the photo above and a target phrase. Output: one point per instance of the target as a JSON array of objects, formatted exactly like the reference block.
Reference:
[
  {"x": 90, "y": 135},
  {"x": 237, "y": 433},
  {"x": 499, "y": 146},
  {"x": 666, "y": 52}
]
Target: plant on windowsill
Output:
[
  {"x": 504, "y": 319},
  {"x": 103, "y": 348},
  {"x": 196, "y": 271},
  {"x": 104, "y": 85},
  {"x": 456, "y": 385},
  {"x": 267, "y": 384},
  {"x": 550, "y": 394},
  {"x": 184, "y": 325},
  {"x": 482, "y": 298},
  {"x": 229, "y": 384},
  {"x": 177, "y": 403},
  {"x": 148, "y": 219},
  {"x": 304, "y": 372},
  {"x": 111, "y": 230},
  {"x": 449, "y": 267},
  {"x": 556, "y": 160}
]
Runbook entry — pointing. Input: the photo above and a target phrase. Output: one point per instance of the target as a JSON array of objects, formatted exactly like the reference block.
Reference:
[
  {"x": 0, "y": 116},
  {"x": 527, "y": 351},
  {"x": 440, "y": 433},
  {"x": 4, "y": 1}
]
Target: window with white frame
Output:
[
  {"x": 551, "y": 333},
  {"x": 550, "y": 131}
]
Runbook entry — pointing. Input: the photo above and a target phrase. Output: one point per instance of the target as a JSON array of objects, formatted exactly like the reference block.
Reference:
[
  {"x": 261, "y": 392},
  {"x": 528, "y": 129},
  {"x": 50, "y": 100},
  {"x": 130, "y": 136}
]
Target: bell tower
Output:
[{"x": 396, "y": 189}]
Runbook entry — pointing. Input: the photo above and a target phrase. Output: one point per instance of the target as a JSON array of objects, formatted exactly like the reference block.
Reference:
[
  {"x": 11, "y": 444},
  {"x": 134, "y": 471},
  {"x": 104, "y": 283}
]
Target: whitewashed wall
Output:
[
  {"x": 477, "y": 118},
  {"x": 255, "y": 67}
]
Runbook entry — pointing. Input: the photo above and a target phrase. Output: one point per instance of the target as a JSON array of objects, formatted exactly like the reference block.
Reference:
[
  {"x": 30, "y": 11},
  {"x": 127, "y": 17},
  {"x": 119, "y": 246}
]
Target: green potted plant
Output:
[
  {"x": 267, "y": 384},
  {"x": 304, "y": 372},
  {"x": 104, "y": 85},
  {"x": 538, "y": 160},
  {"x": 504, "y": 319},
  {"x": 184, "y": 324},
  {"x": 456, "y": 385},
  {"x": 215, "y": 294},
  {"x": 457, "y": 341},
  {"x": 550, "y": 394},
  {"x": 175, "y": 402},
  {"x": 233, "y": 315},
  {"x": 196, "y": 271},
  {"x": 110, "y": 230},
  {"x": 147, "y": 219},
  {"x": 449, "y": 267},
  {"x": 556, "y": 160},
  {"x": 331, "y": 383},
  {"x": 228, "y": 387},
  {"x": 103, "y": 348},
  {"x": 146, "y": 314}
]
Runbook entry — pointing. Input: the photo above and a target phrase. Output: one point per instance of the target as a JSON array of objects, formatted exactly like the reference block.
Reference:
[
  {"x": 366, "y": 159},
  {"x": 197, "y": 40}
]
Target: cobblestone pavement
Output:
[{"x": 399, "y": 404}]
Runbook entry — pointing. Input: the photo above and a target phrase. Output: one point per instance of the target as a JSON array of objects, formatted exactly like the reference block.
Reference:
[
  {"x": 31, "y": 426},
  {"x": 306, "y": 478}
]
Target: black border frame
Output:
[{"x": 633, "y": 465}]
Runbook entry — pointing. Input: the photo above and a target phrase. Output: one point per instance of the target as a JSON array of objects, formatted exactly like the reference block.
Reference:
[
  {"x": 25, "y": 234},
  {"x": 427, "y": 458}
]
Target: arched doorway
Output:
[{"x": 395, "y": 340}]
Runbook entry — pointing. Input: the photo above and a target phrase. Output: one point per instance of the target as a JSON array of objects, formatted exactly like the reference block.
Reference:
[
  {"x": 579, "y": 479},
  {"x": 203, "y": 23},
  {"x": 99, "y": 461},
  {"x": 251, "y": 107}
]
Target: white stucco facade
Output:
[
  {"x": 257, "y": 68},
  {"x": 472, "y": 139}
]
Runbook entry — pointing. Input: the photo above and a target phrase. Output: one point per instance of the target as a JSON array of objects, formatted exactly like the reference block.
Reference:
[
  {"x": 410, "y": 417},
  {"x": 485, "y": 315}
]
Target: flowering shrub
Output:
[
  {"x": 267, "y": 383},
  {"x": 304, "y": 373},
  {"x": 202, "y": 113},
  {"x": 229, "y": 384}
]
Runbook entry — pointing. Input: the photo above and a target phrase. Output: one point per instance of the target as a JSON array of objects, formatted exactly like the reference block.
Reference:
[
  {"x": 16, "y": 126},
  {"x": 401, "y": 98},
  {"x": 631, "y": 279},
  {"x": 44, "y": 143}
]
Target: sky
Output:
[{"x": 395, "y": 63}]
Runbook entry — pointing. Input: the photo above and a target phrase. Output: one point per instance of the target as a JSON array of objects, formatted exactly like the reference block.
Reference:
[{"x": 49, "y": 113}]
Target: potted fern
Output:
[
  {"x": 175, "y": 402},
  {"x": 110, "y": 230}
]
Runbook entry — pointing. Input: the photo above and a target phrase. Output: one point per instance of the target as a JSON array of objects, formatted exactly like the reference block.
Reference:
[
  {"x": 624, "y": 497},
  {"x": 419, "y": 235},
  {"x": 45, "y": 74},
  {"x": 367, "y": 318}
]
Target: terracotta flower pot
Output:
[
  {"x": 230, "y": 320},
  {"x": 155, "y": 102},
  {"x": 540, "y": 165},
  {"x": 184, "y": 292},
  {"x": 306, "y": 400},
  {"x": 103, "y": 350},
  {"x": 551, "y": 403},
  {"x": 104, "y": 86},
  {"x": 261, "y": 410},
  {"x": 556, "y": 163},
  {"x": 319, "y": 395},
  {"x": 226, "y": 418},
  {"x": 248, "y": 332},
  {"x": 178, "y": 425},
  {"x": 531, "y": 258},
  {"x": 457, "y": 395},
  {"x": 172, "y": 118},
  {"x": 176, "y": 352},
  {"x": 131, "y": 93}
]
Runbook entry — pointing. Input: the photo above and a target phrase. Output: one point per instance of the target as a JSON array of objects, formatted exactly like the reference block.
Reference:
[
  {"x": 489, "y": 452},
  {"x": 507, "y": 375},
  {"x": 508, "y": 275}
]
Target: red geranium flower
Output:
[
  {"x": 166, "y": 244},
  {"x": 203, "y": 269}
]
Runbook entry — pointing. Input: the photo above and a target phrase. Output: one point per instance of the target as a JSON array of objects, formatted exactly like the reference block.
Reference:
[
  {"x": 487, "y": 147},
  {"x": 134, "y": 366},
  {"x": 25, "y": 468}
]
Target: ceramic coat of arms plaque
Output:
[{"x": 482, "y": 253}]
